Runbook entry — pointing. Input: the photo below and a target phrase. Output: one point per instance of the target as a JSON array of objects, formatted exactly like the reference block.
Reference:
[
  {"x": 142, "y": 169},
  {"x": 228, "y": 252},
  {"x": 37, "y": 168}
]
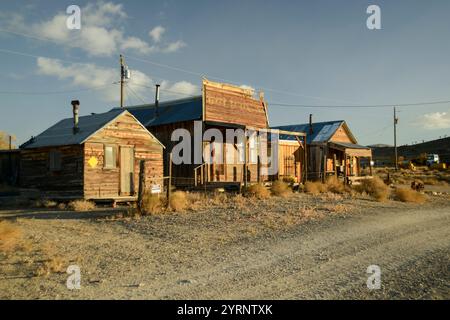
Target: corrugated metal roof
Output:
[
  {"x": 169, "y": 111},
  {"x": 350, "y": 145},
  {"x": 322, "y": 131},
  {"x": 61, "y": 134}
]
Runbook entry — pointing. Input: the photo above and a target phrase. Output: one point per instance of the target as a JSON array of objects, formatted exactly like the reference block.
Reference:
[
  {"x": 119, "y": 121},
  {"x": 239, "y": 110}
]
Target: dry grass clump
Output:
[
  {"x": 280, "y": 189},
  {"x": 257, "y": 191},
  {"x": 315, "y": 187},
  {"x": 52, "y": 265},
  {"x": 409, "y": 195},
  {"x": 81, "y": 205},
  {"x": 178, "y": 201},
  {"x": 374, "y": 187},
  {"x": 151, "y": 204},
  {"x": 10, "y": 236},
  {"x": 335, "y": 186}
]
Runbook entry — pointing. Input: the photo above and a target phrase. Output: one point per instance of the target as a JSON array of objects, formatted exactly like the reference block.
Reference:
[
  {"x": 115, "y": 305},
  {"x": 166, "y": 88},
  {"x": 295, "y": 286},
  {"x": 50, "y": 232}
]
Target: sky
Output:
[{"x": 313, "y": 53}]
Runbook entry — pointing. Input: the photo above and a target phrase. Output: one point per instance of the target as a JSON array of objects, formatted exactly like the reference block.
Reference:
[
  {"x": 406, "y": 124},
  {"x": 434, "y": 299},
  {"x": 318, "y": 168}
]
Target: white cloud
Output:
[
  {"x": 99, "y": 34},
  {"x": 156, "y": 33},
  {"x": 435, "y": 121},
  {"x": 180, "y": 88},
  {"x": 174, "y": 46},
  {"x": 90, "y": 76}
]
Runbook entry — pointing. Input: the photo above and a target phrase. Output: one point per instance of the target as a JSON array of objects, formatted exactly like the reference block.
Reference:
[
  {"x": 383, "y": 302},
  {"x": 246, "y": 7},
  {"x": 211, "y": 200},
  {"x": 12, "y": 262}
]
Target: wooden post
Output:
[
  {"x": 245, "y": 161},
  {"x": 259, "y": 170},
  {"x": 345, "y": 168},
  {"x": 324, "y": 164},
  {"x": 141, "y": 190},
  {"x": 305, "y": 156},
  {"x": 169, "y": 183},
  {"x": 370, "y": 165},
  {"x": 335, "y": 164}
]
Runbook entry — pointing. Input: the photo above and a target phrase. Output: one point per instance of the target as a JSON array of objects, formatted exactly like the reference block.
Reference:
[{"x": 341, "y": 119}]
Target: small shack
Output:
[
  {"x": 332, "y": 149},
  {"x": 95, "y": 157}
]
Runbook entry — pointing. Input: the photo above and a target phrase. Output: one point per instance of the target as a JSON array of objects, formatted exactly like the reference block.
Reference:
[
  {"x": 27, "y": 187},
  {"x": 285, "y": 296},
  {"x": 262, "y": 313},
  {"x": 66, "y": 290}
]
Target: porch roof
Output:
[{"x": 352, "y": 149}]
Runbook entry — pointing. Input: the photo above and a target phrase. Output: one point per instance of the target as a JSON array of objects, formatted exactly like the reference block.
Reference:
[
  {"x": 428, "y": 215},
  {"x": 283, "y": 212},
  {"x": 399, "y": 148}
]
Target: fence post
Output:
[
  {"x": 169, "y": 184},
  {"x": 141, "y": 190}
]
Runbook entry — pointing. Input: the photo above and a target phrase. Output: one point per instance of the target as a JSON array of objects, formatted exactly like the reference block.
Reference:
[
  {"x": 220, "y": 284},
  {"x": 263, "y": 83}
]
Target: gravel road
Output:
[{"x": 321, "y": 259}]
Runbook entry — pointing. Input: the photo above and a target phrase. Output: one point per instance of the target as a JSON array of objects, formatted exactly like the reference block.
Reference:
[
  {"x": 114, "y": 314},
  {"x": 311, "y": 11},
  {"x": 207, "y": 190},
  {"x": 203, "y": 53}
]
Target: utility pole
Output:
[
  {"x": 395, "y": 139},
  {"x": 122, "y": 77}
]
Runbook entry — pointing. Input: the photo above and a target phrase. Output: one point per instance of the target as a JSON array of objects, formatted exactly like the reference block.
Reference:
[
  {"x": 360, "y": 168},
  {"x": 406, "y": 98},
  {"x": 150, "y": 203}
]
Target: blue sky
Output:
[{"x": 300, "y": 52}]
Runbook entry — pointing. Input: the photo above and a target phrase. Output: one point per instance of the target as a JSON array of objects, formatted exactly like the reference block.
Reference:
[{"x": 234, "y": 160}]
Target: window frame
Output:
[{"x": 114, "y": 160}]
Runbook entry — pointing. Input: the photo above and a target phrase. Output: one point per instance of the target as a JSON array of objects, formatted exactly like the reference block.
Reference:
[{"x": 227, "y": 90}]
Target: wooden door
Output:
[{"x": 126, "y": 170}]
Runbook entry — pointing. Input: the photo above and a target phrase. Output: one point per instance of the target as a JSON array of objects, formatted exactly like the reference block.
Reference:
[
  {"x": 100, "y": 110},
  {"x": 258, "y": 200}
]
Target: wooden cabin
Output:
[
  {"x": 220, "y": 107},
  {"x": 332, "y": 149},
  {"x": 96, "y": 157}
]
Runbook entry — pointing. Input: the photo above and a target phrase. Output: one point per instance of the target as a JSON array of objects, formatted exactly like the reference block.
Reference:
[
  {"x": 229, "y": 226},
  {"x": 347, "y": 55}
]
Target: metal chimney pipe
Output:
[
  {"x": 157, "y": 100},
  {"x": 311, "y": 131},
  {"x": 75, "y": 108}
]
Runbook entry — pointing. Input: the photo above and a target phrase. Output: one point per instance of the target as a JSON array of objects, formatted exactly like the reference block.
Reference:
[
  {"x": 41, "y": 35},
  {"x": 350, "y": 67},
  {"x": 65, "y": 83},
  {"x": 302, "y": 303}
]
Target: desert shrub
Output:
[
  {"x": 81, "y": 205},
  {"x": 178, "y": 201},
  {"x": 289, "y": 180},
  {"x": 10, "y": 236},
  {"x": 62, "y": 206},
  {"x": 374, "y": 187},
  {"x": 315, "y": 187},
  {"x": 280, "y": 189},
  {"x": 45, "y": 203},
  {"x": 54, "y": 264},
  {"x": 335, "y": 186},
  {"x": 409, "y": 195},
  {"x": 151, "y": 204},
  {"x": 257, "y": 191}
]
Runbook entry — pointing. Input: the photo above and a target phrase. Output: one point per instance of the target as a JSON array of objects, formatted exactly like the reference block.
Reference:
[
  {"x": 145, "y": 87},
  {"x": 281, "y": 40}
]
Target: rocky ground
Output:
[{"x": 300, "y": 247}]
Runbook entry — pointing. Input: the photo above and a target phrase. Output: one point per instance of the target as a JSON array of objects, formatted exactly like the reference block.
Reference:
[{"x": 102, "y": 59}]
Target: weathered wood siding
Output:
[
  {"x": 9, "y": 167},
  {"x": 100, "y": 182},
  {"x": 341, "y": 135},
  {"x": 182, "y": 174},
  {"x": 225, "y": 105},
  {"x": 35, "y": 171},
  {"x": 290, "y": 160}
]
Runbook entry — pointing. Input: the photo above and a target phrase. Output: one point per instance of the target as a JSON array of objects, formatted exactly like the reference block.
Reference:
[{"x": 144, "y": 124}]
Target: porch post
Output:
[{"x": 345, "y": 168}]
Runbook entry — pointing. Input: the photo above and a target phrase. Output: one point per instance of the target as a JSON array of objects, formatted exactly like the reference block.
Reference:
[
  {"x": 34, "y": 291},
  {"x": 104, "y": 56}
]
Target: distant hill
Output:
[
  {"x": 384, "y": 155},
  {"x": 380, "y": 145}
]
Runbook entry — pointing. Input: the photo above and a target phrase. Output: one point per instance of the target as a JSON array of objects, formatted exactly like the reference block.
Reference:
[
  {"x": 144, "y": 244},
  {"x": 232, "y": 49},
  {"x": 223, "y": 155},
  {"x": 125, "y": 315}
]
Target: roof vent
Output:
[{"x": 75, "y": 108}]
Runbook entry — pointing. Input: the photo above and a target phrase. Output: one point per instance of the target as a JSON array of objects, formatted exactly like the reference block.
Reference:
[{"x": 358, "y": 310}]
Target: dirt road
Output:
[
  {"x": 330, "y": 260},
  {"x": 322, "y": 259}
]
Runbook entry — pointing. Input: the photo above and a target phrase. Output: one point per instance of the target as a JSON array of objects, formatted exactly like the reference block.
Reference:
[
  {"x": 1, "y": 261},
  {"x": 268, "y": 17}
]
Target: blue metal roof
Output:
[
  {"x": 169, "y": 111},
  {"x": 61, "y": 134},
  {"x": 350, "y": 145},
  {"x": 322, "y": 131}
]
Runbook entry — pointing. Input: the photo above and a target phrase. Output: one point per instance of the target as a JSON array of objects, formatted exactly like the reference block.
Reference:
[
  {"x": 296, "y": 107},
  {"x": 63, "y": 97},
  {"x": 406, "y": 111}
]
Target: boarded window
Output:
[
  {"x": 110, "y": 157},
  {"x": 55, "y": 160},
  {"x": 253, "y": 149}
]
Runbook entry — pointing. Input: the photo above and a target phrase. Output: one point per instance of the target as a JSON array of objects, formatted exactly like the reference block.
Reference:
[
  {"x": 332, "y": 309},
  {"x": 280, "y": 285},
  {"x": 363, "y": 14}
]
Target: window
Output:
[
  {"x": 110, "y": 157},
  {"x": 55, "y": 160}
]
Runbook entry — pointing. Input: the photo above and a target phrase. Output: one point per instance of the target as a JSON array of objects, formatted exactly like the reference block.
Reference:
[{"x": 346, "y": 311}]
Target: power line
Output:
[
  {"x": 135, "y": 94},
  {"x": 229, "y": 81},
  {"x": 412, "y": 104},
  {"x": 54, "y": 92},
  {"x": 162, "y": 89}
]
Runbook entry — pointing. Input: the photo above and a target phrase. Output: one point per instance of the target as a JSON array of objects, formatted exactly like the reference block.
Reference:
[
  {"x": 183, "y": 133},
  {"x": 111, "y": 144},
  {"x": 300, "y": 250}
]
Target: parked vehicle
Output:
[{"x": 432, "y": 159}]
